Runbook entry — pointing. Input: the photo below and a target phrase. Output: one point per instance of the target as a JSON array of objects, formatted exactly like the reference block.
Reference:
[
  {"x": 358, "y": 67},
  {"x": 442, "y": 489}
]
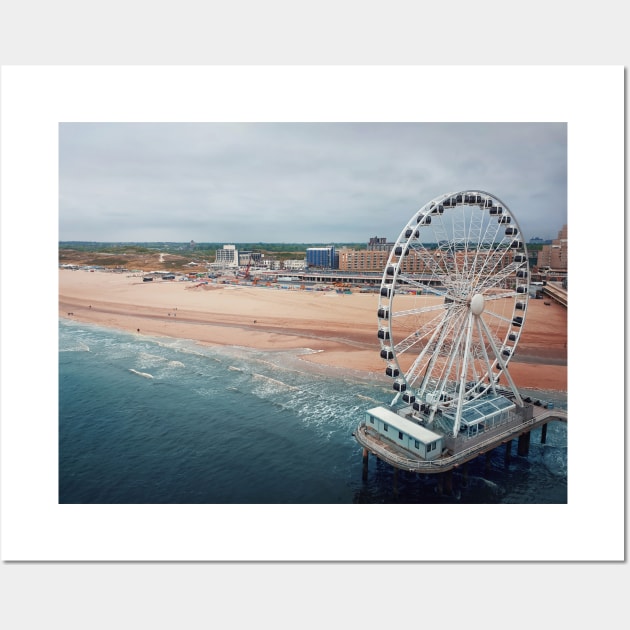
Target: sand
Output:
[{"x": 340, "y": 327}]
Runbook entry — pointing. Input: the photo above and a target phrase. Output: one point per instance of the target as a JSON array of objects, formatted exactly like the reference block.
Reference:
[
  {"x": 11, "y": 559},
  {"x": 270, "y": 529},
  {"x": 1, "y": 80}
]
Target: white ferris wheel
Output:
[{"x": 452, "y": 304}]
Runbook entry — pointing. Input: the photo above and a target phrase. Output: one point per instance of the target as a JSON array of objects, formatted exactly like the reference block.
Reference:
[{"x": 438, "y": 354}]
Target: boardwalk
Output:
[{"x": 555, "y": 291}]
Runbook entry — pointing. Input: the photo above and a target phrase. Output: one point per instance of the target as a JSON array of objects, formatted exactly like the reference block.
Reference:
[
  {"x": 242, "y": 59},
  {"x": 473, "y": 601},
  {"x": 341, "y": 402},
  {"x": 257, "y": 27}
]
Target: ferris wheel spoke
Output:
[
  {"x": 454, "y": 353},
  {"x": 410, "y": 342},
  {"x": 418, "y": 311},
  {"x": 500, "y": 277},
  {"x": 448, "y": 344},
  {"x": 471, "y": 249},
  {"x": 429, "y": 351},
  {"x": 500, "y": 361},
  {"x": 428, "y": 262},
  {"x": 490, "y": 255},
  {"x": 434, "y": 350},
  {"x": 419, "y": 284},
  {"x": 493, "y": 297},
  {"x": 419, "y": 334},
  {"x": 497, "y": 317},
  {"x": 497, "y": 262}
]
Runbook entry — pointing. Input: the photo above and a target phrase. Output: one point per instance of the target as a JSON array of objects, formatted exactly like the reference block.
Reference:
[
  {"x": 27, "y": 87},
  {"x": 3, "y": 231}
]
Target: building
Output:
[
  {"x": 404, "y": 433},
  {"x": 379, "y": 243},
  {"x": 362, "y": 260},
  {"x": 271, "y": 263},
  {"x": 322, "y": 257},
  {"x": 249, "y": 258},
  {"x": 227, "y": 257},
  {"x": 555, "y": 257},
  {"x": 375, "y": 257},
  {"x": 294, "y": 264}
]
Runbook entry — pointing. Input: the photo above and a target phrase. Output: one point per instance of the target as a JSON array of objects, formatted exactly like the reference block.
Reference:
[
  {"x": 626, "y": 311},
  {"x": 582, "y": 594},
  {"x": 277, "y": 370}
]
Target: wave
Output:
[
  {"x": 81, "y": 347},
  {"x": 143, "y": 374},
  {"x": 184, "y": 346},
  {"x": 148, "y": 356},
  {"x": 273, "y": 380},
  {"x": 554, "y": 459}
]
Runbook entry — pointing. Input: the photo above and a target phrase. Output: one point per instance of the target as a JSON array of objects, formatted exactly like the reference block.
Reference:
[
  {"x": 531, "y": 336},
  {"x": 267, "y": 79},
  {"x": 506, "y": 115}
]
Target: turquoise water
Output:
[{"x": 154, "y": 420}]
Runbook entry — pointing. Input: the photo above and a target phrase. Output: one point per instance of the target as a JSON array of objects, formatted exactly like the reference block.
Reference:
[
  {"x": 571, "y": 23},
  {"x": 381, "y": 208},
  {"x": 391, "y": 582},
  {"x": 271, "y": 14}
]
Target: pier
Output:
[{"x": 460, "y": 449}]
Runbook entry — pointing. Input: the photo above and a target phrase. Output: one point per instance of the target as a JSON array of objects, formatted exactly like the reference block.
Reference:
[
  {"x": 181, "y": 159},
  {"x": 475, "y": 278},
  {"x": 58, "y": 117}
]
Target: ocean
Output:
[{"x": 148, "y": 420}]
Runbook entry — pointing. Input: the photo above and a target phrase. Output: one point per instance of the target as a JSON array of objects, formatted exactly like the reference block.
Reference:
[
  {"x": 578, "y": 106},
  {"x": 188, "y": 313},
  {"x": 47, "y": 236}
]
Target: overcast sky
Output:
[{"x": 298, "y": 182}]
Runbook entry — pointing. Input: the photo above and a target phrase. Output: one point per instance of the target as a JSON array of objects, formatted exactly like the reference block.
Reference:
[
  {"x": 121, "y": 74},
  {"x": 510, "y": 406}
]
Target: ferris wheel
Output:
[{"x": 452, "y": 304}]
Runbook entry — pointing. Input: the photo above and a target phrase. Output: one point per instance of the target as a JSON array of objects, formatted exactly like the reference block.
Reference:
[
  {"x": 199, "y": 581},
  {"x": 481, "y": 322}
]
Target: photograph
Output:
[{"x": 313, "y": 313}]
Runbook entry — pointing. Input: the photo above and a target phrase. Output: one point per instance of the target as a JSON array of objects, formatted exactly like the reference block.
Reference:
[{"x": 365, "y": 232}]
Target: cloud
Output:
[{"x": 298, "y": 182}]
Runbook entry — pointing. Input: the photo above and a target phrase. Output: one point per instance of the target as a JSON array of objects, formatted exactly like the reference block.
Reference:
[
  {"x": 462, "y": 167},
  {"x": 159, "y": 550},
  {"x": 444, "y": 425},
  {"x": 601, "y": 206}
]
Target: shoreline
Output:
[{"x": 338, "y": 329}]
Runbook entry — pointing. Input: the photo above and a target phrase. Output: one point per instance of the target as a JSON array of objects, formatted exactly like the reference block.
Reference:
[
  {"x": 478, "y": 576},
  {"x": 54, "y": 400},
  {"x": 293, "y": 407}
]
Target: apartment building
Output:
[{"x": 555, "y": 256}]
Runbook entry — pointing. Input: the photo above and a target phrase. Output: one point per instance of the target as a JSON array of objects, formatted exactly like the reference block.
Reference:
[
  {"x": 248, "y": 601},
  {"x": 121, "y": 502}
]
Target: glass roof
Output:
[{"x": 476, "y": 410}]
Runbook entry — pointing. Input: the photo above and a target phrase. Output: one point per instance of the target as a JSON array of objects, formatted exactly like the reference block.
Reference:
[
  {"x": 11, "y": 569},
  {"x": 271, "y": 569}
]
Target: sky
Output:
[{"x": 298, "y": 182}]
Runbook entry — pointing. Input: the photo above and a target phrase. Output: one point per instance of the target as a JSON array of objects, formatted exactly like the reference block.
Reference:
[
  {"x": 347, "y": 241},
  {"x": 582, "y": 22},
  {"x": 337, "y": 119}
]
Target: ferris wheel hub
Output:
[{"x": 477, "y": 304}]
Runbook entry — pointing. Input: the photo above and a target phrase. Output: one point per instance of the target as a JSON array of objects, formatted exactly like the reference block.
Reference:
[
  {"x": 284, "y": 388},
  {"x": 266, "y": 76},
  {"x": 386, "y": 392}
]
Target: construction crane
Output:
[{"x": 244, "y": 274}]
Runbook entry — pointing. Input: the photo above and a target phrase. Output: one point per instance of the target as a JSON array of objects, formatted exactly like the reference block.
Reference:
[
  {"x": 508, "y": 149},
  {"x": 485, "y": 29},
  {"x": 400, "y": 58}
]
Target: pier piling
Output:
[
  {"x": 448, "y": 482},
  {"x": 523, "y": 444}
]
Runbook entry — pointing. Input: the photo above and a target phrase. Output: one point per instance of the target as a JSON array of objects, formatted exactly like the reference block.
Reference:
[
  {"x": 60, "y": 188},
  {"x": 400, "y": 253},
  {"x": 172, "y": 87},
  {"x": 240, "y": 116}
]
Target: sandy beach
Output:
[{"x": 340, "y": 327}]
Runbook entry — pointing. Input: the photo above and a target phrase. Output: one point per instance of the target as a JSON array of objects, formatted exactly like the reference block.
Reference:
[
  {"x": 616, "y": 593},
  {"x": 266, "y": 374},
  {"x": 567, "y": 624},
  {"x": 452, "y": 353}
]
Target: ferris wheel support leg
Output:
[
  {"x": 429, "y": 369},
  {"x": 497, "y": 354},
  {"x": 462, "y": 380},
  {"x": 420, "y": 358},
  {"x": 487, "y": 360}
]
